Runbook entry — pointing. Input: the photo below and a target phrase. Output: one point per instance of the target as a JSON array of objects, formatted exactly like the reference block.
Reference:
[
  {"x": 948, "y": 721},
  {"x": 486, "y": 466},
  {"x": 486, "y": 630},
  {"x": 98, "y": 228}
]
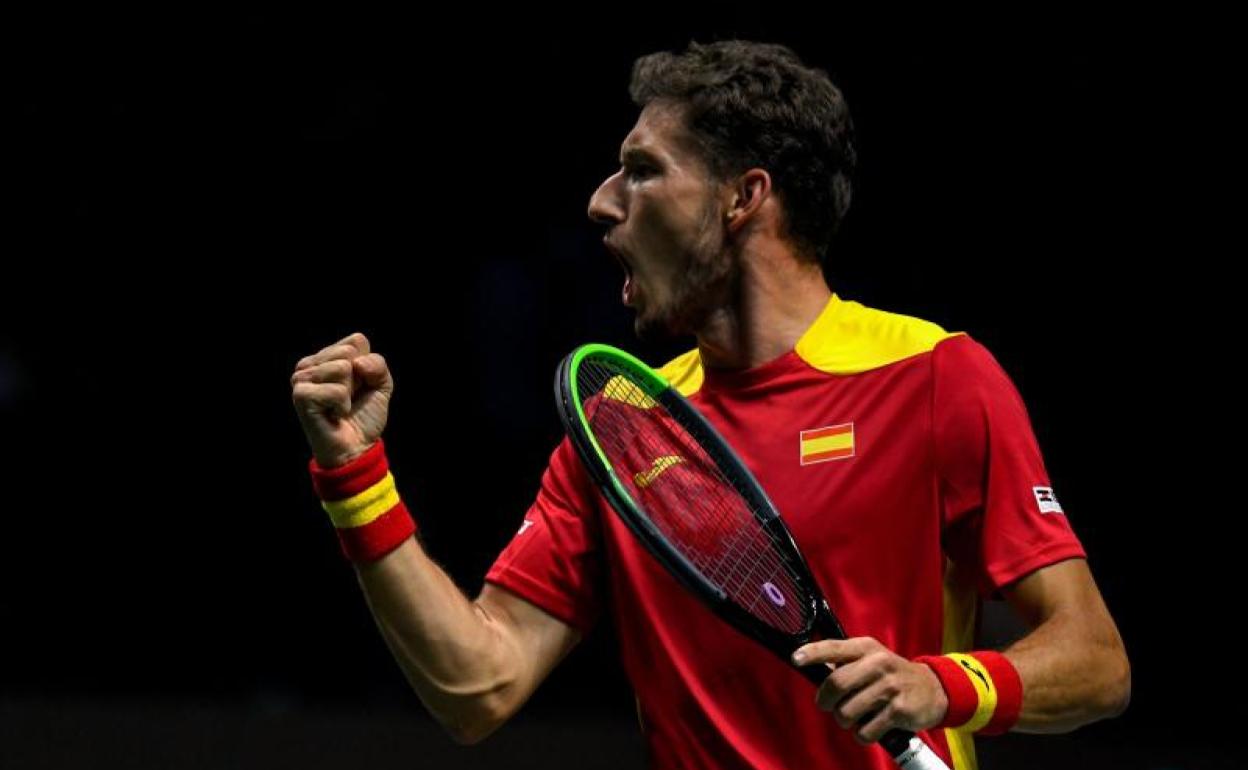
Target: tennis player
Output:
[{"x": 900, "y": 455}]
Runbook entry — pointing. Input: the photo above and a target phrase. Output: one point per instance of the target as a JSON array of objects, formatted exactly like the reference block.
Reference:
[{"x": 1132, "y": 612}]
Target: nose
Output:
[{"x": 605, "y": 206}]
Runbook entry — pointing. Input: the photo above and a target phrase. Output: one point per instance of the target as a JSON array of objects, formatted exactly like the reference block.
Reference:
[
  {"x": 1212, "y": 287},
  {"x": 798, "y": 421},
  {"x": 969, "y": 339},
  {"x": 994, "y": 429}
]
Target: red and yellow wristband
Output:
[
  {"x": 984, "y": 689},
  {"x": 364, "y": 506}
]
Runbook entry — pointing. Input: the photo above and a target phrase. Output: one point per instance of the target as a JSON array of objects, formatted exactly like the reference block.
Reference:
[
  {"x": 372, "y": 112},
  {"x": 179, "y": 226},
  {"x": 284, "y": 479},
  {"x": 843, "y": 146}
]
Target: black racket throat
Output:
[{"x": 826, "y": 626}]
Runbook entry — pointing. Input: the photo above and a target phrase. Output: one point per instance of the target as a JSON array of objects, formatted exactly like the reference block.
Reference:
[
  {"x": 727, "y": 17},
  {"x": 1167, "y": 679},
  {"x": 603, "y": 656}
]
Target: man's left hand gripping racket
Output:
[{"x": 695, "y": 507}]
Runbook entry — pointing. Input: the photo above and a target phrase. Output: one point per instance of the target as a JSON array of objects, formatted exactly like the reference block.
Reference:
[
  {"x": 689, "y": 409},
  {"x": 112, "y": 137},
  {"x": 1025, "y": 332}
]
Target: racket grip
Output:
[
  {"x": 815, "y": 672},
  {"x": 910, "y": 752}
]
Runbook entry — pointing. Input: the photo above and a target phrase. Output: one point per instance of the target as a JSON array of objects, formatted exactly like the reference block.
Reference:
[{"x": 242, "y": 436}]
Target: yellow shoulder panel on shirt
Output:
[
  {"x": 684, "y": 372},
  {"x": 848, "y": 338}
]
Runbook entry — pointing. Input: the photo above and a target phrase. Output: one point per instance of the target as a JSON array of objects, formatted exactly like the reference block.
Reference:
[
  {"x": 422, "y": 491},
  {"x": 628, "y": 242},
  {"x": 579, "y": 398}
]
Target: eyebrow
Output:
[{"x": 637, "y": 155}]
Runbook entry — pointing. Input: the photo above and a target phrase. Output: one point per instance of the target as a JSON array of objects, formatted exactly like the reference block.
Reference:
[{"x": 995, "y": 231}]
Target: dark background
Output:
[{"x": 197, "y": 202}]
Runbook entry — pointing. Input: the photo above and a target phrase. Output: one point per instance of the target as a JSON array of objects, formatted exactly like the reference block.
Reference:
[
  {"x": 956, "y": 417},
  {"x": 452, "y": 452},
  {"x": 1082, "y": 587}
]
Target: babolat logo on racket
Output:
[
  {"x": 1046, "y": 500},
  {"x": 646, "y": 478}
]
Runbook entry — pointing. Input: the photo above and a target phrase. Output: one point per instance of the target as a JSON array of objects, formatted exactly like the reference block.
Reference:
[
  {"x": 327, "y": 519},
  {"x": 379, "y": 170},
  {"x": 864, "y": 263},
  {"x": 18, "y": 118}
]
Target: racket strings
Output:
[
  {"x": 727, "y": 544},
  {"x": 689, "y": 498},
  {"x": 654, "y": 437}
]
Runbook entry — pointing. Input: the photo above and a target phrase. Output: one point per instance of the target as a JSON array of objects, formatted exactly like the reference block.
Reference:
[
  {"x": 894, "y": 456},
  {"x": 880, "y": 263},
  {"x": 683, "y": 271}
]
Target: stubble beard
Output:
[{"x": 705, "y": 284}]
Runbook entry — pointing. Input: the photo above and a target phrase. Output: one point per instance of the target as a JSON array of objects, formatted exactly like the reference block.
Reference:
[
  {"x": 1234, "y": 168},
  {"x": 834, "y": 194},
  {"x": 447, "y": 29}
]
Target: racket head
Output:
[{"x": 687, "y": 497}]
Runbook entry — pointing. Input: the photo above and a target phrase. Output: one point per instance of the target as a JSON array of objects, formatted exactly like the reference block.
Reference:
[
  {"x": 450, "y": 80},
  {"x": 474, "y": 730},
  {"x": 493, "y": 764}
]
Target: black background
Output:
[{"x": 197, "y": 202}]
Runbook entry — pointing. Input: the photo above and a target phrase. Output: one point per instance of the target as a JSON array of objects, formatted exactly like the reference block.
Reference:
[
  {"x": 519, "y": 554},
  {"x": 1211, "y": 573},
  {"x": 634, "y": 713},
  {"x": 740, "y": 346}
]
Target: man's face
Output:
[{"x": 665, "y": 225}]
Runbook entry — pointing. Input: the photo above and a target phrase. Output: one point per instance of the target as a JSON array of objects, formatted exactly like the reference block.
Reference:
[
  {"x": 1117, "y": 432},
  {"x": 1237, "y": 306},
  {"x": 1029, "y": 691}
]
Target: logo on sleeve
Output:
[
  {"x": 1046, "y": 500},
  {"x": 523, "y": 527}
]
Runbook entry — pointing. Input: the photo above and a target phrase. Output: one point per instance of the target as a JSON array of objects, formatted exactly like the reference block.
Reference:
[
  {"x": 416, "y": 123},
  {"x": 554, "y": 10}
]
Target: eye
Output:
[{"x": 639, "y": 171}]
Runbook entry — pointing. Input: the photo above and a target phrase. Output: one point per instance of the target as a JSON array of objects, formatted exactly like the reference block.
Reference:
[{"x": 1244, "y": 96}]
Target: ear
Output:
[{"x": 746, "y": 197}]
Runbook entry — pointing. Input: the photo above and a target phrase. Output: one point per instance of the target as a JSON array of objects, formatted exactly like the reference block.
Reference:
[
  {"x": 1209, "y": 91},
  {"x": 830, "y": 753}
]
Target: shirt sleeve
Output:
[
  {"x": 554, "y": 560},
  {"x": 1001, "y": 516}
]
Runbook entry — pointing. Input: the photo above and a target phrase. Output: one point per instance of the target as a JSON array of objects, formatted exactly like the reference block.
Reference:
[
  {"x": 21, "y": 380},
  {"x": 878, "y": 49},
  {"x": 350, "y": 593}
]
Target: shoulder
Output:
[
  {"x": 684, "y": 372},
  {"x": 849, "y": 337}
]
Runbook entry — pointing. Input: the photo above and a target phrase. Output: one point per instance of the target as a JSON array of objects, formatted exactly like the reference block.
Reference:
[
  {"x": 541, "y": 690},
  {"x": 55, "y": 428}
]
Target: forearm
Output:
[
  {"x": 1071, "y": 675},
  {"x": 464, "y": 664},
  {"x": 453, "y": 654}
]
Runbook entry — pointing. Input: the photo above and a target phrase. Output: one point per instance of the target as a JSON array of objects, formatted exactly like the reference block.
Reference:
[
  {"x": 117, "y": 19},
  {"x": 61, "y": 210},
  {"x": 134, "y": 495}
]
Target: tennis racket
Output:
[{"x": 693, "y": 504}]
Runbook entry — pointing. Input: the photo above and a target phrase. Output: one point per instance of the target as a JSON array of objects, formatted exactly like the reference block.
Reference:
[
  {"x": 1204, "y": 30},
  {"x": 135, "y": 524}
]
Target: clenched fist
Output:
[{"x": 342, "y": 396}]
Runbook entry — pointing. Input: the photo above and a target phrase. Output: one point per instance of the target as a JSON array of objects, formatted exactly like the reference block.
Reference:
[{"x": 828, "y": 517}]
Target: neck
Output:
[{"x": 778, "y": 299}]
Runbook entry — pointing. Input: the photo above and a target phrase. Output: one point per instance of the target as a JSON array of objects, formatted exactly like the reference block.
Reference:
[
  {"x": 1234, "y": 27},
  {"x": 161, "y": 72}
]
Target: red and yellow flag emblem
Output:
[{"x": 831, "y": 443}]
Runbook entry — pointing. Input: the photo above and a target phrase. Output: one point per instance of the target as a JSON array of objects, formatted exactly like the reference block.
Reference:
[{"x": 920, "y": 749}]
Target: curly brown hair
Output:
[{"x": 749, "y": 105}]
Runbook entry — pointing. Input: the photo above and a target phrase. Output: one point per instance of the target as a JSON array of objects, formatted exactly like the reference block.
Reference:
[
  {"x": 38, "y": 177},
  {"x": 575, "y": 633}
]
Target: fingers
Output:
[
  {"x": 840, "y": 655},
  {"x": 323, "y": 388},
  {"x": 876, "y": 726},
  {"x": 874, "y": 689},
  {"x": 864, "y": 702},
  {"x": 836, "y": 651},
  {"x": 356, "y": 340},
  {"x": 325, "y": 382},
  {"x": 349, "y": 347},
  {"x": 338, "y": 370},
  {"x": 848, "y": 678},
  {"x": 331, "y": 398},
  {"x": 373, "y": 371}
]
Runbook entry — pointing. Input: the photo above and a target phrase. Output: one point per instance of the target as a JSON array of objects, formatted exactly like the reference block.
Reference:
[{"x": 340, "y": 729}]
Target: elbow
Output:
[
  {"x": 469, "y": 734},
  {"x": 1109, "y": 691},
  {"x": 472, "y": 719},
  {"x": 1118, "y": 691}
]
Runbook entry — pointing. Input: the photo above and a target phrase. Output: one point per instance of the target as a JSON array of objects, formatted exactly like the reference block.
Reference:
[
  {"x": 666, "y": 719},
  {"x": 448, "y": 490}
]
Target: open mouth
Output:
[{"x": 628, "y": 292}]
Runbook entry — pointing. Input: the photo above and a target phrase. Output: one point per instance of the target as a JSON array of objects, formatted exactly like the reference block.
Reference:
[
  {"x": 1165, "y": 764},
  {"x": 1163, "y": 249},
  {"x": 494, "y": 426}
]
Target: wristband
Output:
[
  {"x": 364, "y": 505},
  {"x": 984, "y": 689}
]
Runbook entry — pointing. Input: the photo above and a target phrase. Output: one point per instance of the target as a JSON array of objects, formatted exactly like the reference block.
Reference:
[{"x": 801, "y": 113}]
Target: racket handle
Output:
[
  {"x": 815, "y": 672},
  {"x": 910, "y": 752}
]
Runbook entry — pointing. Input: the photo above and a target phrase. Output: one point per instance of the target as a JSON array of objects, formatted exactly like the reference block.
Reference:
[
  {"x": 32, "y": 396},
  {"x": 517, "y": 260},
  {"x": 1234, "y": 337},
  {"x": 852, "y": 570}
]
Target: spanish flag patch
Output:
[{"x": 834, "y": 442}]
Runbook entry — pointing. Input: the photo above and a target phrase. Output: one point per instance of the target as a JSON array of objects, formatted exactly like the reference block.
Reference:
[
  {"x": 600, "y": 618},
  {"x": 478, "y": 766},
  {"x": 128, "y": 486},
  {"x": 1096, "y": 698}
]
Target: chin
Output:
[
  {"x": 649, "y": 327},
  {"x": 646, "y": 328},
  {"x": 659, "y": 327}
]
